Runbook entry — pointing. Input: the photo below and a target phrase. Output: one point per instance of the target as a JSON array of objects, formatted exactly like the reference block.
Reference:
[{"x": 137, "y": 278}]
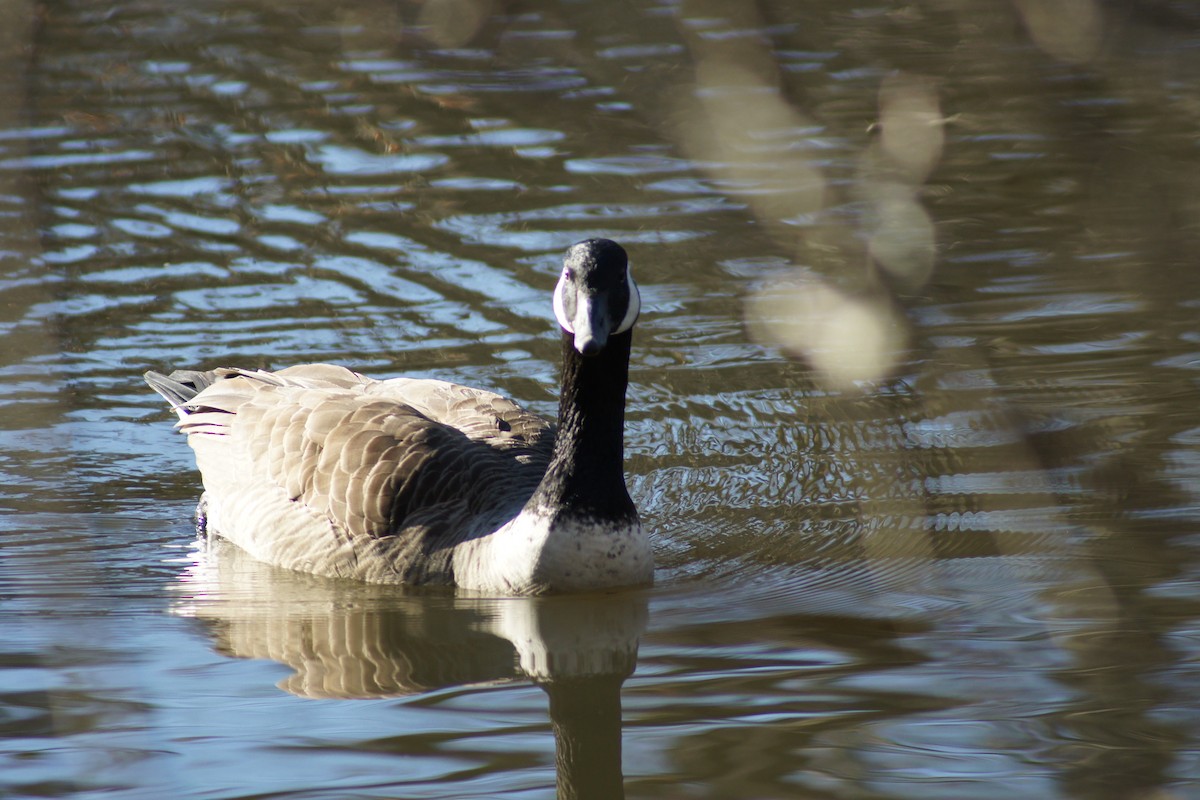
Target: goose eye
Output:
[{"x": 568, "y": 274}]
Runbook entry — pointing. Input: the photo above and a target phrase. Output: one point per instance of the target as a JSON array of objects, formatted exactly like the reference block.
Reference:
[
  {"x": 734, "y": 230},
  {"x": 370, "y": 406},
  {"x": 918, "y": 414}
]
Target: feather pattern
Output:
[{"x": 320, "y": 469}]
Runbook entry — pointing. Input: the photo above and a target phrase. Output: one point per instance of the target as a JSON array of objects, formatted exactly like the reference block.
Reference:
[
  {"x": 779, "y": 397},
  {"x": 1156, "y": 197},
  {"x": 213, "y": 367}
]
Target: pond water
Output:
[{"x": 913, "y": 415}]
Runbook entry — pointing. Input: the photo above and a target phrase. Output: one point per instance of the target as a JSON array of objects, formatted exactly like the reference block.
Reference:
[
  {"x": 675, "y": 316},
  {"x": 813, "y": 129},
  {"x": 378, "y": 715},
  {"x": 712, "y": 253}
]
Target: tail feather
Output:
[{"x": 180, "y": 386}]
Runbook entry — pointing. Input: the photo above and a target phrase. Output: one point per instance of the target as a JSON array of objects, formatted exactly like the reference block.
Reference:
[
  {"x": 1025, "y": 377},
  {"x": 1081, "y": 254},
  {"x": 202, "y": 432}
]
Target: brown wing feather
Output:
[{"x": 403, "y": 468}]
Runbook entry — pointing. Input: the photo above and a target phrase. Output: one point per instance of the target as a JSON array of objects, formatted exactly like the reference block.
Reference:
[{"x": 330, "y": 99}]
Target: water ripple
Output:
[
  {"x": 343, "y": 160},
  {"x": 511, "y": 229}
]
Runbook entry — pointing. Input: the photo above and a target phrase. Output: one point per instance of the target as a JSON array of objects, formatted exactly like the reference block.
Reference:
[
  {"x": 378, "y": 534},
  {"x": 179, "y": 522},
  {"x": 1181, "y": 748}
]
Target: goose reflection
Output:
[{"x": 350, "y": 640}]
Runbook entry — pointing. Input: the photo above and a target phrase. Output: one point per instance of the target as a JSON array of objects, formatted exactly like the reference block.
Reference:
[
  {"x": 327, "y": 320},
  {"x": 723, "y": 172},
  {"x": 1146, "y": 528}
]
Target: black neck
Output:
[{"x": 586, "y": 476}]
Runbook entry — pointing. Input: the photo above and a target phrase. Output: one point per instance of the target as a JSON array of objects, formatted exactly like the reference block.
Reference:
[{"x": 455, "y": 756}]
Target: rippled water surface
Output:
[{"x": 913, "y": 414}]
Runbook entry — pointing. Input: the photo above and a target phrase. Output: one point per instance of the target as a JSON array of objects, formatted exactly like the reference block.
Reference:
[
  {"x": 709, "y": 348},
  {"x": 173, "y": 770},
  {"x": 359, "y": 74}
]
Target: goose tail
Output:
[{"x": 180, "y": 386}]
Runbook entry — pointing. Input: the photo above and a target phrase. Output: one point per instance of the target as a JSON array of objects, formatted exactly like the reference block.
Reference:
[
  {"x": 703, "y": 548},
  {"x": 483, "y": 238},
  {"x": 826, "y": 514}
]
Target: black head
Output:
[{"x": 596, "y": 295}]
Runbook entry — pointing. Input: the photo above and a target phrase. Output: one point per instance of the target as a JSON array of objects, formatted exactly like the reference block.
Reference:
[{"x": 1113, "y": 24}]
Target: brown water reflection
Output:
[{"x": 913, "y": 403}]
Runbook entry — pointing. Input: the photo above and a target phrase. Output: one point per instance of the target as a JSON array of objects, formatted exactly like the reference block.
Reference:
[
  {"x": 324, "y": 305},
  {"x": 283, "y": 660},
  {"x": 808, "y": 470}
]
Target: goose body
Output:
[{"x": 320, "y": 469}]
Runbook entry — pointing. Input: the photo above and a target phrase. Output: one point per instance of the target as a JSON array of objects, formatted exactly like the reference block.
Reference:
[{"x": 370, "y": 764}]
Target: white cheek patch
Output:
[
  {"x": 560, "y": 311},
  {"x": 635, "y": 304}
]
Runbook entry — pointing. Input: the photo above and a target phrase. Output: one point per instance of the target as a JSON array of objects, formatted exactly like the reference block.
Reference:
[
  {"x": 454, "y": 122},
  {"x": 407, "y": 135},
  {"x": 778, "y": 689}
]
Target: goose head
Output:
[{"x": 596, "y": 296}]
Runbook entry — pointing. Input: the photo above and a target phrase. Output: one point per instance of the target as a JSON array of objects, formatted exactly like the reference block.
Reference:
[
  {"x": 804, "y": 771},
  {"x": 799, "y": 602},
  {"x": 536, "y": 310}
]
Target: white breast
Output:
[{"x": 533, "y": 554}]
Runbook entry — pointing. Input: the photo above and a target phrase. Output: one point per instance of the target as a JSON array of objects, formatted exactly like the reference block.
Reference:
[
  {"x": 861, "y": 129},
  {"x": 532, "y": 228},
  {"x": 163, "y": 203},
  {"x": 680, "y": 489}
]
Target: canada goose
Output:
[{"x": 322, "y": 470}]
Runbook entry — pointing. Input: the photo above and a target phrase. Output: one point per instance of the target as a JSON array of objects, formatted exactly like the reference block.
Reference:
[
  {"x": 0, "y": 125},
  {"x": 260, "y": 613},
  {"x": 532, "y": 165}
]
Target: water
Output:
[{"x": 912, "y": 415}]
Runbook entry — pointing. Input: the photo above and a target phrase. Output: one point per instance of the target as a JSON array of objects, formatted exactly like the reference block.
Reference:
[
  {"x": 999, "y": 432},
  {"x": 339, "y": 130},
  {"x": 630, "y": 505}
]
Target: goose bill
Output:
[{"x": 591, "y": 324}]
